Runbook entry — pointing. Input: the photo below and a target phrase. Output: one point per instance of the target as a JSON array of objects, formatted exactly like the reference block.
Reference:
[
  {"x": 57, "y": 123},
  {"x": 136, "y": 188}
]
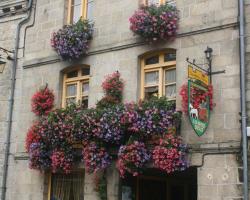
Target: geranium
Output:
[
  {"x": 198, "y": 96},
  {"x": 170, "y": 154},
  {"x": 155, "y": 22},
  {"x": 42, "y": 102},
  {"x": 132, "y": 157},
  {"x": 32, "y": 136},
  {"x": 62, "y": 160},
  {"x": 95, "y": 158},
  {"x": 113, "y": 86},
  {"x": 71, "y": 42}
]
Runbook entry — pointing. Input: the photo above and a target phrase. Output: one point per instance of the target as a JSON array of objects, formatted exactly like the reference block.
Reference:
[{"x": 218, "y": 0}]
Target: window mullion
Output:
[
  {"x": 84, "y": 9},
  {"x": 78, "y": 95},
  {"x": 160, "y": 86}
]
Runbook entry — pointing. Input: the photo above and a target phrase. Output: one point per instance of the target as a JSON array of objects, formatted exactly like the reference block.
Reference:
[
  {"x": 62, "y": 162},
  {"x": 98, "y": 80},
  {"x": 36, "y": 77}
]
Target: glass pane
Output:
[
  {"x": 70, "y": 100},
  {"x": 76, "y": 13},
  {"x": 85, "y": 71},
  {"x": 170, "y": 91},
  {"x": 152, "y": 78},
  {"x": 170, "y": 76},
  {"x": 72, "y": 74},
  {"x": 153, "y": 2},
  {"x": 85, "y": 89},
  {"x": 90, "y": 10},
  {"x": 152, "y": 60},
  {"x": 76, "y": 2},
  {"x": 151, "y": 92},
  {"x": 71, "y": 90},
  {"x": 85, "y": 102},
  {"x": 69, "y": 186},
  {"x": 169, "y": 57}
]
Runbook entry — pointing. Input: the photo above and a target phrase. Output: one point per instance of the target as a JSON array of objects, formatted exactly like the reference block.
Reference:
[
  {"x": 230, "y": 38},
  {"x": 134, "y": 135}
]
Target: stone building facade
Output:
[{"x": 214, "y": 156}]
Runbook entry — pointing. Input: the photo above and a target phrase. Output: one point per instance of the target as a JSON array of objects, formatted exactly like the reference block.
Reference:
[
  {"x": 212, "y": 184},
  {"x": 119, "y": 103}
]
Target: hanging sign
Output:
[
  {"x": 198, "y": 75},
  {"x": 198, "y": 110}
]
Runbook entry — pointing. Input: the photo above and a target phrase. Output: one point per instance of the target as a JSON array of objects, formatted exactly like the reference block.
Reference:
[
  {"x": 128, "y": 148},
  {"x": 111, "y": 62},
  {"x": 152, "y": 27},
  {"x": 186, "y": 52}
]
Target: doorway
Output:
[{"x": 157, "y": 185}]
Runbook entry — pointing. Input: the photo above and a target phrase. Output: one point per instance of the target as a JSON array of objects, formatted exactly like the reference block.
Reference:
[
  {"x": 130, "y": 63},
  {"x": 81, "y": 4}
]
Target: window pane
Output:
[
  {"x": 90, "y": 10},
  {"x": 76, "y": 13},
  {"x": 151, "y": 78},
  {"x": 71, "y": 90},
  {"x": 85, "y": 89},
  {"x": 85, "y": 71},
  {"x": 170, "y": 91},
  {"x": 151, "y": 92},
  {"x": 76, "y": 2},
  {"x": 170, "y": 76},
  {"x": 152, "y": 60},
  {"x": 169, "y": 57},
  {"x": 153, "y": 2},
  {"x": 72, "y": 74},
  {"x": 85, "y": 102},
  {"x": 67, "y": 186},
  {"x": 70, "y": 100}
]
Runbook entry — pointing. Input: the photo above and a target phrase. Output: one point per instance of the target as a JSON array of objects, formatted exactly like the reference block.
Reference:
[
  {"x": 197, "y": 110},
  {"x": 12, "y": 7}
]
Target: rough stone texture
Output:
[{"x": 218, "y": 176}]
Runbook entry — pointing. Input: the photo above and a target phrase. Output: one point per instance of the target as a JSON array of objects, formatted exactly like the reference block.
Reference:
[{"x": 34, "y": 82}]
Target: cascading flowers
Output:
[
  {"x": 96, "y": 158},
  {"x": 72, "y": 41},
  {"x": 101, "y": 131},
  {"x": 155, "y": 22},
  {"x": 132, "y": 158},
  {"x": 198, "y": 97},
  {"x": 42, "y": 101},
  {"x": 169, "y": 154}
]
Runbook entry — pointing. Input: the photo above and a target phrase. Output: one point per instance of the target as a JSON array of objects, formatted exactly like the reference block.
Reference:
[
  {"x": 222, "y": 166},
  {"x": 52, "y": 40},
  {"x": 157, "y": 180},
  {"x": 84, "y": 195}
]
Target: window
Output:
[
  {"x": 66, "y": 187},
  {"x": 78, "y": 9},
  {"x": 158, "y": 75},
  {"x": 157, "y": 185},
  {"x": 76, "y": 86}
]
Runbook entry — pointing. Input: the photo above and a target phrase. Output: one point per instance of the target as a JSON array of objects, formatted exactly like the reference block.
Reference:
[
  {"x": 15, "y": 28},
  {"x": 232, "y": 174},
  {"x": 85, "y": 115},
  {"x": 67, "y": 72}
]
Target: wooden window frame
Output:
[
  {"x": 50, "y": 174},
  {"x": 84, "y": 9},
  {"x": 161, "y": 67},
  {"x": 75, "y": 80}
]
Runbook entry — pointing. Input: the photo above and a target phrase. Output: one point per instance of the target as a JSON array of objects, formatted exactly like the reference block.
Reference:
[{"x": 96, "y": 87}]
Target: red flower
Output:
[{"x": 42, "y": 102}]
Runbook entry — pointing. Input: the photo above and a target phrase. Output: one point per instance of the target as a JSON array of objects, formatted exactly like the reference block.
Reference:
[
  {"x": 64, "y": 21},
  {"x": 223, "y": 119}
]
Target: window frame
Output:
[
  {"x": 161, "y": 67},
  {"x": 84, "y": 9},
  {"x": 75, "y": 80},
  {"x": 50, "y": 175}
]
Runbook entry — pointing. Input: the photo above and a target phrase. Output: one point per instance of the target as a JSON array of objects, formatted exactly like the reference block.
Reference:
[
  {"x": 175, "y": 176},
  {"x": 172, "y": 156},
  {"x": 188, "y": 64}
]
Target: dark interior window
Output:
[
  {"x": 152, "y": 60},
  {"x": 157, "y": 185}
]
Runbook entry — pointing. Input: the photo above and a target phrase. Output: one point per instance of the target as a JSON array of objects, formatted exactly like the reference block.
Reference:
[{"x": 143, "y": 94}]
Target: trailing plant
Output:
[
  {"x": 113, "y": 87},
  {"x": 42, "y": 101},
  {"x": 132, "y": 158},
  {"x": 72, "y": 41},
  {"x": 155, "y": 22},
  {"x": 198, "y": 97},
  {"x": 169, "y": 154},
  {"x": 101, "y": 185},
  {"x": 127, "y": 128},
  {"x": 95, "y": 157}
]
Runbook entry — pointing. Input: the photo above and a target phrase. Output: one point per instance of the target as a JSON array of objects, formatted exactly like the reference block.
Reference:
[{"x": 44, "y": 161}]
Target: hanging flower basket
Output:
[
  {"x": 129, "y": 129},
  {"x": 72, "y": 41},
  {"x": 155, "y": 22},
  {"x": 42, "y": 101}
]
